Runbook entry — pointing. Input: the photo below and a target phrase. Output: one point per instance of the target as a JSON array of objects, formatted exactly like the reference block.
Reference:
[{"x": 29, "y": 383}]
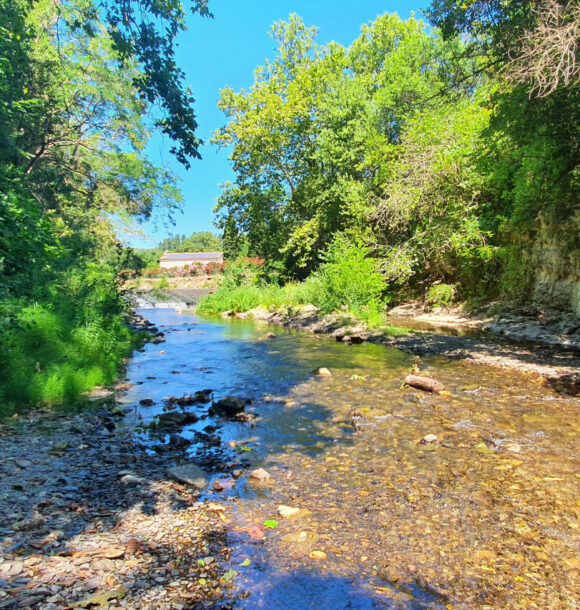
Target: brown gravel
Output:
[{"x": 74, "y": 534}]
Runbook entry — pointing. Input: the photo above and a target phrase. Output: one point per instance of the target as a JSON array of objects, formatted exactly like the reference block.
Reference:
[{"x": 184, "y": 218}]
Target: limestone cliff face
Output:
[{"x": 557, "y": 256}]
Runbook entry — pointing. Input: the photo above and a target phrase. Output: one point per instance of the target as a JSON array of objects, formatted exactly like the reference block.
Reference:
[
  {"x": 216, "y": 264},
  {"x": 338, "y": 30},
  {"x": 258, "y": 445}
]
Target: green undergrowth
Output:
[
  {"x": 290, "y": 297},
  {"x": 53, "y": 352},
  {"x": 244, "y": 298},
  {"x": 347, "y": 281}
]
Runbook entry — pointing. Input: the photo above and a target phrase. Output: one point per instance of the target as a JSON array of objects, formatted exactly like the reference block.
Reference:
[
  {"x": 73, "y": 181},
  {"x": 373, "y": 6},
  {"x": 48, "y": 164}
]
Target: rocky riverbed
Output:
[
  {"x": 308, "y": 476},
  {"x": 549, "y": 349},
  {"x": 90, "y": 519}
]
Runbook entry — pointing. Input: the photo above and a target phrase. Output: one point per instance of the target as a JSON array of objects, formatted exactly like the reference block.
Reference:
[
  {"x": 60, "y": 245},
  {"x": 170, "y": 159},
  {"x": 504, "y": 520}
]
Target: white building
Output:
[{"x": 170, "y": 260}]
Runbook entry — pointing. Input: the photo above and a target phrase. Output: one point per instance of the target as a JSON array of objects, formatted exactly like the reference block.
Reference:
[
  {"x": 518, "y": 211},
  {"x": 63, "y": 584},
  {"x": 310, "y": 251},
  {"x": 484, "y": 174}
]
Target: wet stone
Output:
[{"x": 190, "y": 474}]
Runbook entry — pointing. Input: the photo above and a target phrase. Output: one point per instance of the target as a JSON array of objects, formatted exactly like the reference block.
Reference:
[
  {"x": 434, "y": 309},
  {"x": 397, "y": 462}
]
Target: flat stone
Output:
[
  {"x": 260, "y": 475},
  {"x": 23, "y": 463},
  {"x": 287, "y": 511},
  {"x": 190, "y": 474},
  {"x": 323, "y": 372}
]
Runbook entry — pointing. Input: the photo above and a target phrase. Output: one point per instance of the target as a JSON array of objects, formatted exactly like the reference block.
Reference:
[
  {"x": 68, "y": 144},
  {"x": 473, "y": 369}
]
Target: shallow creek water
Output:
[{"x": 486, "y": 515}]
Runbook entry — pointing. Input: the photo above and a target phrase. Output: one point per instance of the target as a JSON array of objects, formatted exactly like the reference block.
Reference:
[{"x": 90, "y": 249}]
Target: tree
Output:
[
  {"x": 313, "y": 138},
  {"x": 201, "y": 241}
]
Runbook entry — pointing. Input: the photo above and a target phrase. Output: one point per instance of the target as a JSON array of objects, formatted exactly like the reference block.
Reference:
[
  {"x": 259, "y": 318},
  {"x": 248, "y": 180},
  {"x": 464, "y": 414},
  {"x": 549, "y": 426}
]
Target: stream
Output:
[{"x": 406, "y": 499}]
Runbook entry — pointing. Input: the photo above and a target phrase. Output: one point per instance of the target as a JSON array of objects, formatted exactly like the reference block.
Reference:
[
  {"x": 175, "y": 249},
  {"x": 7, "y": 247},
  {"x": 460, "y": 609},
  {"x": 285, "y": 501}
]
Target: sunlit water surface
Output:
[{"x": 487, "y": 514}]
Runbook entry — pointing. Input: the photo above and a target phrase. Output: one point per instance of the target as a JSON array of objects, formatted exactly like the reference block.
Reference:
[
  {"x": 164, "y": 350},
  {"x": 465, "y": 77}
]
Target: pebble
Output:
[
  {"x": 260, "y": 475},
  {"x": 287, "y": 511},
  {"x": 130, "y": 480},
  {"x": 430, "y": 438}
]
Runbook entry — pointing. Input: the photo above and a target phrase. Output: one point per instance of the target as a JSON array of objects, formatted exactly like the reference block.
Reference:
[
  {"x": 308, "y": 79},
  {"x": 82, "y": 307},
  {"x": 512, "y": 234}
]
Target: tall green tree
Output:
[{"x": 313, "y": 137}]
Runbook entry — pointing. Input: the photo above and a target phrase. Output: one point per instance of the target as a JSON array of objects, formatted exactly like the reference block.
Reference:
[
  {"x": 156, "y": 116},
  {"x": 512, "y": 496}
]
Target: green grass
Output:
[
  {"x": 245, "y": 298},
  {"x": 50, "y": 359}
]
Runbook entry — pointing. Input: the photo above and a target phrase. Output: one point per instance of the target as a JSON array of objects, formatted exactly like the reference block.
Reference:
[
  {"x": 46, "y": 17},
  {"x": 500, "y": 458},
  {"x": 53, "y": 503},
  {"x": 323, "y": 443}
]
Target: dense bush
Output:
[
  {"x": 53, "y": 352},
  {"x": 441, "y": 295},
  {"x": 347, "y": 281}
]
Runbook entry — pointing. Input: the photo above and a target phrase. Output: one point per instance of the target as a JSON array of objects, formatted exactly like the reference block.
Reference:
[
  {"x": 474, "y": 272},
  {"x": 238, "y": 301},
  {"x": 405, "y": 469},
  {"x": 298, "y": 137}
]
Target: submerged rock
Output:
[
  {"x": 424, "y": 383},
  {"x": 323, "y": 372},
  {"x": 260, "y": 475},
  {"x": 266, "y": 336},
  {"x": 229, "y": 406},
  {"x": 190, "y": 474},
  {"x": 176, "y": 419},
  {"x": 430, "y": 438},
  {"x": 288, "y": 511}
]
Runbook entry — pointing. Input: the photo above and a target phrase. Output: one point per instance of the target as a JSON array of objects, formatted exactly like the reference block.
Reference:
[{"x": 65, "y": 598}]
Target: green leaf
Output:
[
  {"x": 229, "y": 575},
  {"x": 271, "y": 523}
]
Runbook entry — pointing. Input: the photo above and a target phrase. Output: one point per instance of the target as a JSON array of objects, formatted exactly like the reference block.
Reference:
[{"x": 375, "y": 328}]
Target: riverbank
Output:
[
  {"x": 555, "y": 360},
  {"x": 91, "y": 519},
  {"x": 343, "y": 486}
]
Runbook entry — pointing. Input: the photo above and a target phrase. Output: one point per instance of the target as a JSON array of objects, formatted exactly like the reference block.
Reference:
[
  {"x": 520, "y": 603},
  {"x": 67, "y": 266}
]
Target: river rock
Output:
[
  {"x": 267, "y": 336},
  {"x": 287, "y": 511},
  {"x": 178, "y": 442},
  {"x": 189, "y": 399},
  {"x": 190, "y": 474},
  {"x": 354, "y": 339},
  {"x": 424, "y": 383},
  {"x": 177, "y": 419},
  {"x": 130, "y": 480},
  {"x": 323, "y": 372},
  {"x": 229, "y": 406},
  {"x": 146, "y": 402},
  {"x": 430, "y": 438},
  {"x": 260, "y": 475}
]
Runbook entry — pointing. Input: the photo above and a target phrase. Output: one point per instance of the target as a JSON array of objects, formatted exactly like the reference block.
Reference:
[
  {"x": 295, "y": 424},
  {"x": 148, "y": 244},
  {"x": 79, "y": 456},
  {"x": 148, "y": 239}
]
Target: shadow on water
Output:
[{"x": 400, "y": 522}]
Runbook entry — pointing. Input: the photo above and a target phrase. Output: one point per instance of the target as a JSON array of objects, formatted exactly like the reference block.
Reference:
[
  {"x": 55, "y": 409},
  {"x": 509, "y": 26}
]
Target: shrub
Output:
[
  {"x": 162, "y": 284},
  {"x": 441, "y": 295},
  {"x": 348, "y": 279}
]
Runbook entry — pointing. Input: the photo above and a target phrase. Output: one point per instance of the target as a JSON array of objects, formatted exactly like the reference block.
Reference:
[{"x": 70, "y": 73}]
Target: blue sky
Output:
[{"x": 224, "y": 51}]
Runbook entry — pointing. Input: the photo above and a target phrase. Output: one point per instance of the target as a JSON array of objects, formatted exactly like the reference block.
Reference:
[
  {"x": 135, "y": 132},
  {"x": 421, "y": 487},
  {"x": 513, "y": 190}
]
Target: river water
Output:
[{"x": 485, "y": 515}]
